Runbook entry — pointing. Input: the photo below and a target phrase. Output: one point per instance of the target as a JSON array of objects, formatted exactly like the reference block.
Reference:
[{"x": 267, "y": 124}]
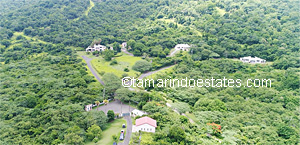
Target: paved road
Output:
[
  {"x": 170, "y": 55},
  {"x": 125, "y": 51},
  {"x": 128, "y": 131},
  {"x": 116, "y": 107},
  {"x": 88, "y": 62},
  {"x": 152, "y": 72}
]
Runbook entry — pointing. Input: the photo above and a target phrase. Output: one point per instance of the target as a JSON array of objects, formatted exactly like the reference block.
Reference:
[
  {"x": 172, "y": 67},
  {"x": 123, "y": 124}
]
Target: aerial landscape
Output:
[{"x": 156, "y": 72}]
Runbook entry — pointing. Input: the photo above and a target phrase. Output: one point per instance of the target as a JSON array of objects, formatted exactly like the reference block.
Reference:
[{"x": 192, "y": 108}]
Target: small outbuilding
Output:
[{"x": 136, "y": 112}]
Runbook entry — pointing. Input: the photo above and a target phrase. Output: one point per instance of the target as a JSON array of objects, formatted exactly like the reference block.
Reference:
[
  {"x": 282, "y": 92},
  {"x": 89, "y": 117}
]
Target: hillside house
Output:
[
  {"x": 96, "y": 47},
  {"x": 145, "y": 124},
  {"x": 183, "y": 47},
  {"x": 124, "y": 44},
  {"x": 253, "y": 60}
]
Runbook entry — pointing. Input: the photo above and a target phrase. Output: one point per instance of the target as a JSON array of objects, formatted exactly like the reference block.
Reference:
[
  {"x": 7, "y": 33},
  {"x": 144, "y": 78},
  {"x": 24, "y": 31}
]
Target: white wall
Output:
[{"x": 145, "y": 128}]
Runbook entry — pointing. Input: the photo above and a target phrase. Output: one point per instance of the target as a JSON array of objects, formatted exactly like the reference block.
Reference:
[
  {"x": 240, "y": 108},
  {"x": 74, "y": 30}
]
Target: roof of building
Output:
[
  {"x": 182, "y": 45},
  {"x": 249, "y": 57},
  {"x": 145, "y": 120},
  {"x": 135, "y": 111}
]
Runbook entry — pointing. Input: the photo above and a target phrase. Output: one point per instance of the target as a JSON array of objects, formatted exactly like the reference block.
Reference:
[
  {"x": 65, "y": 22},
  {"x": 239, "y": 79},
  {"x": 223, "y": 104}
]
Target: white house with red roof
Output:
[{"x": 145, "y": 124}]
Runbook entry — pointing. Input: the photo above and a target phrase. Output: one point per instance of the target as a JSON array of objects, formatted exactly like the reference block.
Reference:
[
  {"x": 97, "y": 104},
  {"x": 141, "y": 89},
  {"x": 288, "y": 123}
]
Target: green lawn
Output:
[
  {"x": 220, "y": 11},
  {"x": 124, "y": 61},
  {"x": 113, "y": 128}
]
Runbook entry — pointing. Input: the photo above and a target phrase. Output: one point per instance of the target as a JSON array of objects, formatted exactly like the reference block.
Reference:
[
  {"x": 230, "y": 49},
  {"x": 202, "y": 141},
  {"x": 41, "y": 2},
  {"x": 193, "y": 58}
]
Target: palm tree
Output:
[
  {"x": 97, "y": 103},
  {"x": 105, "y": 102}
]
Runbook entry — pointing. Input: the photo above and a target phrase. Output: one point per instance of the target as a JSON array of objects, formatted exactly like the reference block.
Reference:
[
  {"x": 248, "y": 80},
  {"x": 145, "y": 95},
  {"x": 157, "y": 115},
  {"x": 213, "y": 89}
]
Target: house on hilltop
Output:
[
  {"x": 253, "y": 60},
  {"x": 97, "y": 47},
  {"x": 124, "y": 45},
  {"x": 145, "y": 124},
  {"x": 183, "y": 47}
]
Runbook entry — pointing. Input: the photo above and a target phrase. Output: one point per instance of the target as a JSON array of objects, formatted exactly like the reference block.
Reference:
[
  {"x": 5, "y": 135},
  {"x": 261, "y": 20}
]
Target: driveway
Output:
[
  {"x": 116, "y": 107},
  {"x": 88, "y": 62},
  {"x": 172, "y": 53},
  {"x": 128, "y": 131},
  {"x": 125, "y": 51}
]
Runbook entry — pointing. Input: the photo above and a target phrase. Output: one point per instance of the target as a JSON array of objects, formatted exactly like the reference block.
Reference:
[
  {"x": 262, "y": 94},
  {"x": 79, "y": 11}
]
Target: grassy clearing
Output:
[
  {"x": 124, "y": 61},
  {"x": 198, "y": 33},
  {"x": 192, "y": 116},
  {"x": 114, "y": 127},
  {"x": 15, "y": 42},
  {"x": 92, "y": 4},
  {"x": 220, "y": 11}
]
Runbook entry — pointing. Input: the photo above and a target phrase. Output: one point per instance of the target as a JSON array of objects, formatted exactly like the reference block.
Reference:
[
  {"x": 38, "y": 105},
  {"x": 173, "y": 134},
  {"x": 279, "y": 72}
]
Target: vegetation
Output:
[
  {"x": 142, "y": 66},
  {"x": 118, "y": 66},
  {"x": 45, "y": 84}
]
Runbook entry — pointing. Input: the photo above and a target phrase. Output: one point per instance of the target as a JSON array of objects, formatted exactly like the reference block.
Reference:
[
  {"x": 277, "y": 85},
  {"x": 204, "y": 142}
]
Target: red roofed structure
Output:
[{"x": 146, "y": 124}]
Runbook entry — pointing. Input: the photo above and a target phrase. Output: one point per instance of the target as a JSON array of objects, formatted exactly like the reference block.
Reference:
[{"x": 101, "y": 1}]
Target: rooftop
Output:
[{"x": 145, "y": 120}]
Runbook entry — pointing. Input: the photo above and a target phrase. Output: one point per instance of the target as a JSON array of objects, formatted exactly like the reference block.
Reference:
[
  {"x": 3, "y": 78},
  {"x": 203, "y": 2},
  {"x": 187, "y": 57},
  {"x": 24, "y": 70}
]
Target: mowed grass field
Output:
[
  {"x": 124, "y": 61},
  {"x": 113, "y": 128}
]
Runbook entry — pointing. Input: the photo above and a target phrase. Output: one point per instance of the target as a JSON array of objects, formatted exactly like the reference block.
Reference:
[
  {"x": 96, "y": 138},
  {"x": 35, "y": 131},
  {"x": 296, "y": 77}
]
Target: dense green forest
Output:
[{"x": 45, "y": 85}]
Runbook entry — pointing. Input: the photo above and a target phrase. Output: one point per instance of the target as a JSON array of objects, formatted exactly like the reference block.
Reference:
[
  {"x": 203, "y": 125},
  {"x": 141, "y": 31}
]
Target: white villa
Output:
[
  {"x": 96, "y": 47},
  {"x": 136, "y": 112},
  {"x": 250, "y": 59},
  {"x": 145, "y": 124},
  {"x": 88, "y": 107},
  {"x": 124, "y": 44},
  {"x": 183, "y": 47}
]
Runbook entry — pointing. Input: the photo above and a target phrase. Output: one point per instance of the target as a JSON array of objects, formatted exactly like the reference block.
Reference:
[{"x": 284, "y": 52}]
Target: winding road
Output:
[
  {"x": 88, "y": 62},
  {"x": 152, "y": 72},
  {"x": 125, "y": 51},
  {"x": 128, "y": 119},
  {"x": 172, "y": 53}
]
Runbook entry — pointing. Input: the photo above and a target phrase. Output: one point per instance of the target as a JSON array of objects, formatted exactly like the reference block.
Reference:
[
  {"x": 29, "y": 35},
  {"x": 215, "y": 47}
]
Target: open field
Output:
[{"x": 124, "y": 61}]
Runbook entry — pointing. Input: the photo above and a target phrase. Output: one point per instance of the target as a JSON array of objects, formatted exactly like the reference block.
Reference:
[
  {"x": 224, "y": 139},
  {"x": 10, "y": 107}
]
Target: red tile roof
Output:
[{"x": 145, "y": 120}]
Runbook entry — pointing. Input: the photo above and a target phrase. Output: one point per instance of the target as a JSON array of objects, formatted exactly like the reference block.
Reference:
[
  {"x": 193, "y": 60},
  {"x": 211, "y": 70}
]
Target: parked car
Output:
[
  {"x": 122, "y": 135},
  {"x": 123, "y": 126}
]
